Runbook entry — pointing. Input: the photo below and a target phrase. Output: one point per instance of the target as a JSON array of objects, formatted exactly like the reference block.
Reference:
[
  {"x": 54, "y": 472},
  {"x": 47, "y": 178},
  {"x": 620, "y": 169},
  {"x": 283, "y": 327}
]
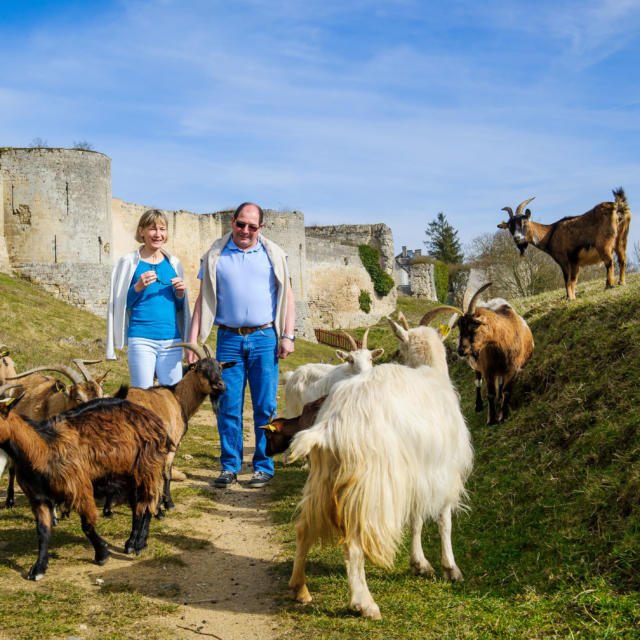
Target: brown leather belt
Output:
[{"x": 245, "y": 331}]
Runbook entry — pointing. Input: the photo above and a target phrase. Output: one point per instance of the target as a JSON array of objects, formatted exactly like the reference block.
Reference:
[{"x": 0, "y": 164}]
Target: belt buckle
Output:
[{"x": 243, "y": 331}]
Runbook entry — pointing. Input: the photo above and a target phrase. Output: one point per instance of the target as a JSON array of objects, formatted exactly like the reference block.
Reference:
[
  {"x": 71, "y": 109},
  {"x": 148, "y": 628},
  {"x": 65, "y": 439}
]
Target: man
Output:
[{"x": 245, "y": 291}]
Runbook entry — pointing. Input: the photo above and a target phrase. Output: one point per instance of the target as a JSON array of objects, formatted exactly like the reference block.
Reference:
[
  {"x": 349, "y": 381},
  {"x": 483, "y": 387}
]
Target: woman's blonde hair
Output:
[{"x": 149, "y": 217}]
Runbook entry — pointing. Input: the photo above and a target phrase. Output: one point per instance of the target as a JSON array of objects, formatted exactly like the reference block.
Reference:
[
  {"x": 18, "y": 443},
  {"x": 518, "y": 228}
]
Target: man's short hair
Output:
[{"x": 236, "y": 213}]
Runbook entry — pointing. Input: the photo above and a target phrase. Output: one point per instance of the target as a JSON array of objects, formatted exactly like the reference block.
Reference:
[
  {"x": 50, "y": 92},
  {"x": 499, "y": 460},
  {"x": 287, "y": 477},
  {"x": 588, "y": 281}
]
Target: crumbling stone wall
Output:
[
  {"x": 422, "y": 281},
  {"x": 336, "y": 278},
  {"x": 378, "y": 236}
]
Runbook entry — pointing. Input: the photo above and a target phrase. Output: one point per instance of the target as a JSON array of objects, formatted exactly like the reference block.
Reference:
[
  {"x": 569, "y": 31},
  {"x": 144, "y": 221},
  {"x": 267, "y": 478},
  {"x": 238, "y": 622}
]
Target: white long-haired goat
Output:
[
  {"x": 390, "y": 447},
  {"x": 312, "y": 381}
]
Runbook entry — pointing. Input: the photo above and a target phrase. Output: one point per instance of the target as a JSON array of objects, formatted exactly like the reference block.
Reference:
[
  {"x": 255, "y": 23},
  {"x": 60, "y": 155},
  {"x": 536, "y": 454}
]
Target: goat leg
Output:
[
  {"x": 297, "y": 583},
  {"x": 167, "y": 502},
  {"x": 10, "y": 501},
  {"x": 42, "y": 512},
  {"x": 99, "y": 544},
  {"x": 479, "y": 407},
  {"x": 449, "y": 565},
  {"x": 417, "y": 560},
  {"x": 361, "y": 599}
]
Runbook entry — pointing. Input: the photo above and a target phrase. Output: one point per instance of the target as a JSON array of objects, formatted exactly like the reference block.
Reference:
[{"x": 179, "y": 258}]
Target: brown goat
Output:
[
  {"x": 175, "y": 404},
  {"x": 41, "y": 397},
  {"x": 577, "y": 241},
  {"x": 280, "y": 432},
  {"x": 496, "y": 342},
  {"x": 107, "y": 445}
]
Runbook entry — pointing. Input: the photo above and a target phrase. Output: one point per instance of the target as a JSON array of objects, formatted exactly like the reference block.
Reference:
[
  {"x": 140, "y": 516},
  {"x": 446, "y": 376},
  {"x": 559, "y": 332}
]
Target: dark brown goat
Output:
[
  {"x": 105, "y": 445},
  {"x": 577, "y": 241},
  {"x": 496, "y": 342},
  {"x": 280, "y": 431},
  {"x": 175, "y": 404},
  {"x": 42, "y": 397}
]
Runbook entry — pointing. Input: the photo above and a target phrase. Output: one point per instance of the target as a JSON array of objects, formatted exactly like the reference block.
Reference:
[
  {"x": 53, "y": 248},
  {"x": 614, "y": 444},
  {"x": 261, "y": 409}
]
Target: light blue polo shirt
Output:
[{"x": 246, "y": 287}]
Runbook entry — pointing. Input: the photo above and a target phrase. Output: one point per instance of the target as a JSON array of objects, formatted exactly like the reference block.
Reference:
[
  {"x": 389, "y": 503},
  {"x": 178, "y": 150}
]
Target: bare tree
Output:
[
  {"x": 38, "y": 143},
  {"x": 82, "y": 144}
]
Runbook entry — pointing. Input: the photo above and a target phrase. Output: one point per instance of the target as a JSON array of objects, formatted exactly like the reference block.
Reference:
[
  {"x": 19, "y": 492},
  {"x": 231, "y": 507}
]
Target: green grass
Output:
[
  {"x": 549, "y": 549},
  {"x": 551, "y": 546}
]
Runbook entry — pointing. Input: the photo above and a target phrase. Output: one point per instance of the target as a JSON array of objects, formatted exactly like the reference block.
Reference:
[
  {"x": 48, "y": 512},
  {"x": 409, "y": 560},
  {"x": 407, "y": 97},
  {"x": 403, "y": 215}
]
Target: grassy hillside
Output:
[{"x": 551, "y": 545}]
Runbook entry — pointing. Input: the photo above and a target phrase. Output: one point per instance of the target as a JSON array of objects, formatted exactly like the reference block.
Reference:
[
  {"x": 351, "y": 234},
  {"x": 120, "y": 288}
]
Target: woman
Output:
[{"x": 148, "y": 307}]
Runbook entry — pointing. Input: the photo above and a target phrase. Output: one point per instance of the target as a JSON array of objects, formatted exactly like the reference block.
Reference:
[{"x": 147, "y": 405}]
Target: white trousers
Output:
[{"x": 147, "y": 356}]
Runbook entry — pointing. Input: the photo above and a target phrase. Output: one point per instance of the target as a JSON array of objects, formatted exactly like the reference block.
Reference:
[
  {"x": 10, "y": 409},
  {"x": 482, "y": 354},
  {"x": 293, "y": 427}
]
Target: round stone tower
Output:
[{"x": 57, "y": 220}]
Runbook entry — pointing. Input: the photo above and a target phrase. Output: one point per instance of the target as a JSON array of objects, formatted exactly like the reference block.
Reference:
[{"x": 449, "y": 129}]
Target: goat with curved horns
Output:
[
  {"x": 577, "y": 241},
  {"x": 496, "y": 343}
]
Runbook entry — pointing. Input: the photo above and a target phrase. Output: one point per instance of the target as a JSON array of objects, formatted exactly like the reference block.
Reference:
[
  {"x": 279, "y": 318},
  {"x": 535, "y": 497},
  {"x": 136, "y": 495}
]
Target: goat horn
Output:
[
  {"x": 433, "y": 313},
  {"x": 474, "y": 300},
  {"x": 364, "y": 338},
  {"x": 352, "y": 342},
  {"x": 194, "y": 346},
  {"x": 522, "y": 205},
  {"x": 60, "y": 368},
  {"x": 80, "y": 363},
  {"x": 207, "y": 351},
  {"x": 509, "y": 210},
  {"x": 403, "y": 321},
  {"x": 6, "y": 387}
]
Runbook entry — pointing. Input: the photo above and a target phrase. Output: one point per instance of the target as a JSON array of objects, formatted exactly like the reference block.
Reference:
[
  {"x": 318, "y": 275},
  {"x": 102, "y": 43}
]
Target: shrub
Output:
[
  {"x": 382, "y": 281},
  {"x": 365, "y": 300},
  {"x": 441, "y": 278}
]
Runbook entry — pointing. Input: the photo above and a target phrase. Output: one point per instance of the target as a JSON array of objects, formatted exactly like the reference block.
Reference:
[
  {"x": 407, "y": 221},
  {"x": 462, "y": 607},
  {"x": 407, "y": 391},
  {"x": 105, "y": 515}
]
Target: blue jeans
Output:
[
  {"x": 256, "y": 361},
  {"x": 146, "y": 356}
]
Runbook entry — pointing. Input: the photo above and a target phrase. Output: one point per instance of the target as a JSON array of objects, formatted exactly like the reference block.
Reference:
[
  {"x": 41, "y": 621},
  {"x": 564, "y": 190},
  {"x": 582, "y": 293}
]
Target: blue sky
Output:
[{"x": 352, "y": 112}]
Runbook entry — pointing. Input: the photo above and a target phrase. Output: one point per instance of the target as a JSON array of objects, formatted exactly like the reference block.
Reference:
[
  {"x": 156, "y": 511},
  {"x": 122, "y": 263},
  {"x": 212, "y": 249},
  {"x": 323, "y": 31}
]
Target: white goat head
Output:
[{"x": 359, "y": 359}]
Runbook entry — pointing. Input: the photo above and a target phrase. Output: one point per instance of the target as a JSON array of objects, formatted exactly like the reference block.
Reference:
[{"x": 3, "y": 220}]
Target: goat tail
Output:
[
  {"x": 122, "y": 392},
  {"x": 621, "y": 205},
  {"x": 304, "y": 441}
]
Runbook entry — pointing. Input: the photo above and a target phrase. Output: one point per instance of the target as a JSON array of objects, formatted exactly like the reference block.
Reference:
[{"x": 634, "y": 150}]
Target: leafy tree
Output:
[{"x": 442, "y": 243}]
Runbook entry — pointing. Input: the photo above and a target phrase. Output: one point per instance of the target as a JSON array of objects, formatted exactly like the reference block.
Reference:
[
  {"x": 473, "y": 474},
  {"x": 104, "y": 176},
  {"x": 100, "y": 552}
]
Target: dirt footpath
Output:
[{"x": 222, "y": 580}]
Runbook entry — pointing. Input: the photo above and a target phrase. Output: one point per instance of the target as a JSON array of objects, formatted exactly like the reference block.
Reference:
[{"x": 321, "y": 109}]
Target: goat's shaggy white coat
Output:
[
  {"x": 390, "y": 447},
  {"x": 295, "y": 383}
]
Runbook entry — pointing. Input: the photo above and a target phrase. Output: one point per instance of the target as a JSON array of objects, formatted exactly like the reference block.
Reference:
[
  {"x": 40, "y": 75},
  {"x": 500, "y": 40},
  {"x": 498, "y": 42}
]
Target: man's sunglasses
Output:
[{"x": 241, "y": 225}]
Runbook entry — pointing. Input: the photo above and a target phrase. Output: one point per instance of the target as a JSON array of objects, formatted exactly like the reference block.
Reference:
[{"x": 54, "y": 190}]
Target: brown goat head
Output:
[{"x": 280, "y": 431}]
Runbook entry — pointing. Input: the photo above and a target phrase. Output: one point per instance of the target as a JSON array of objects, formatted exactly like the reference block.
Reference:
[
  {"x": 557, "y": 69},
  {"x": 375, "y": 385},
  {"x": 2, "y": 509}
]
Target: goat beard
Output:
[
  {"x": 214, "y": 402},
  {"x": 522, "y": 247}
]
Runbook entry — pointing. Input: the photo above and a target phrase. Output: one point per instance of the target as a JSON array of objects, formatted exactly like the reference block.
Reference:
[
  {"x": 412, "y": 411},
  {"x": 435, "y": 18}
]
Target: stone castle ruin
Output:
[{"x": 61, "y": 228}]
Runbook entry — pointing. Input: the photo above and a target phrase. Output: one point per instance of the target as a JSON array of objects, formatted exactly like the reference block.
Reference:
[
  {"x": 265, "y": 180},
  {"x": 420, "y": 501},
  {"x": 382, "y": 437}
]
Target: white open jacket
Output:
[{"x": 117, "y": 313}]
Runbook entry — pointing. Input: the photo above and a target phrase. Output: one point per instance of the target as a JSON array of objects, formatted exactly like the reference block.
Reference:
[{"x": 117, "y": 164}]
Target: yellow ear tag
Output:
[
  {"x": 10, "y": 401},
  {"x": 444, "y": 330},
  {"x": 271, "y": 427}
]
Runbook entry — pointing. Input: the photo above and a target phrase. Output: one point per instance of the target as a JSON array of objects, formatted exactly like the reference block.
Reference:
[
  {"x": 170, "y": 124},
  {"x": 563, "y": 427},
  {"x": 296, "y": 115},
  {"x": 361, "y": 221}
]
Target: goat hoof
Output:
[
  {"x": 9, "y": 504},
  {"x": 301, "y": 595},
  {"x": 422, "y": 568},
  {"x": 479, "y": 408},
  {"x": 169, "y": 506},
  {"x": 36, "y": 573},
  {"x": 160, "y": 514},
  {"x": 372, "y": 611},
  {"x": 128, "y": 548},
  {"x": 108, "y": 514},
  {"x": 453, "y": 573}
]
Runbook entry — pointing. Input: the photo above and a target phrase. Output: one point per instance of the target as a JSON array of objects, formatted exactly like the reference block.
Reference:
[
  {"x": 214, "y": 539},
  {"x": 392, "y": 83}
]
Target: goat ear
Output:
[
  {"x": 60, "y": 387},
  {"x": 100, "y": 380},
  {"x": 273, "y": 426},
  {"x": 504, "y": 225},
  {"x": 5, "y": 406},
  {"x": 341, "y": 355},
  {"x": 376, "y": 353},
  {"x": 527, "y": 214},
  {"x": 227, "y": 365}
]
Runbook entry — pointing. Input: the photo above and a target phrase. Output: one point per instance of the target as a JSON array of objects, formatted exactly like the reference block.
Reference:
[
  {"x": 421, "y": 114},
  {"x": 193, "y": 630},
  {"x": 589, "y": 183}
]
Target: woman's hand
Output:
[
  {"x": 191, "y": 357},
  {"x": 145, "y": 280},
  {"x": 178, "y": 286}
]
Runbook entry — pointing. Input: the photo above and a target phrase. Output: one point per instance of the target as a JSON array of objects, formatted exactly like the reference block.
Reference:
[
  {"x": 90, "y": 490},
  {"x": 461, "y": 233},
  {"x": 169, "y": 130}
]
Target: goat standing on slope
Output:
[
  {"x": 389, "y": 447},
  {"x": 577, "y": 241},
  {"x": 105, "y": 445},
  {"x": 496, "y": 342}
]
